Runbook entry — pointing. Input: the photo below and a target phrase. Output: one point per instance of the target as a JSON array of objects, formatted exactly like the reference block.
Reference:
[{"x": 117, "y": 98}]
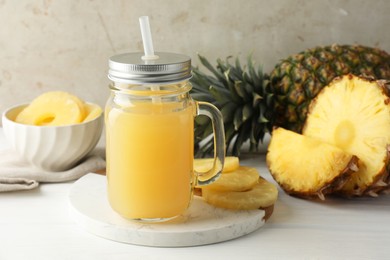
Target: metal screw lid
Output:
[{"x": 131, "y": 68}]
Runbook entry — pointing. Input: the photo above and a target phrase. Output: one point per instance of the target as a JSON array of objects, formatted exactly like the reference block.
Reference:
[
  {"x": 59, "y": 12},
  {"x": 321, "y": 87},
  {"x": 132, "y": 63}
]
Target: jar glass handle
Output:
[{"x": 209, "y": 110}]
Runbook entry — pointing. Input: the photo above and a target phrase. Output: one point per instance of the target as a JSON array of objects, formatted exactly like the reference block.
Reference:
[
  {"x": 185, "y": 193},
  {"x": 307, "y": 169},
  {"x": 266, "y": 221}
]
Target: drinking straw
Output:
[
  {"x": 148, "y": 50},
  {"x": 147, "y": 39}
]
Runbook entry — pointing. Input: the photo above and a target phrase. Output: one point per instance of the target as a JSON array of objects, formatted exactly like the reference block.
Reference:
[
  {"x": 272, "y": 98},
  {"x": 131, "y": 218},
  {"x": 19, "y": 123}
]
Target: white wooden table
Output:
[{"x": 36, "y": 225}]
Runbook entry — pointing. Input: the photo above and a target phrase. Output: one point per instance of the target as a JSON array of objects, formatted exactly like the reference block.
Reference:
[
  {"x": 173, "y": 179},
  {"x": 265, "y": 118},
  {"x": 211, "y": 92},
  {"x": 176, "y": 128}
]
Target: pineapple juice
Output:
[{"x": 150, "y": 159}]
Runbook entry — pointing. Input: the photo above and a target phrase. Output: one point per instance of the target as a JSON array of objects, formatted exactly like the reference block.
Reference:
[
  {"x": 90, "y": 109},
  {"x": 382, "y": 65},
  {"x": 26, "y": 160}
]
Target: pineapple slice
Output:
[
  {"x": 203, "y": 165},
  {"x": 262, "y": 195},
  {"x": 53, "y": 109},
  {"x": 242, "y": 179},
  {"x": 308, "y": 167},
  {"x": 92, "y": 111},
  {"x": 353, "y": 113}
]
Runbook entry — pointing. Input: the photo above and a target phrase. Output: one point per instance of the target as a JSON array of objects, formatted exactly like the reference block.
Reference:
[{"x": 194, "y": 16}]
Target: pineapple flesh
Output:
[
  {"x": 263, "y": 194},
  {"x": 353, "y": 114},
  {"x": 242, "y": 179},
  {"x": 237, "y": 188},
  {"x": 230, "y": 164},
  {"x": 53, "y": 108},
  {"x": 92, "y": 111},
  {"x": 307, "y": 167}
]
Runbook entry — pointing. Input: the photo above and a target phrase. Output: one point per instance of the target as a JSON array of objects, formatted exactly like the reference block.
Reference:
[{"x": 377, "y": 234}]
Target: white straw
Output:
[
  {"x": 148, "y": 49},
  {"x": 147, "y": 38}
]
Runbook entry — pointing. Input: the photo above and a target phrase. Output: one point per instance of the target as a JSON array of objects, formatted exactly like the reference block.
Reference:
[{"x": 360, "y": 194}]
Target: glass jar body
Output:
[{"x": 150, "y": 150}]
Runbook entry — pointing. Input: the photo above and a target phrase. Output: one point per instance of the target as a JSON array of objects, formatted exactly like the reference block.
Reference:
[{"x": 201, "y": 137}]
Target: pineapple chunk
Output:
[
  {"x": 203, "y": 165},
  {"x": 262, "y": 195},
  {"x": 308, "y": 167},
  {"x": 242, "y": 179},
  {"x": 53, "y": 109},
  {"x": 353, "y": 113},
  {"x": 92, "y": 111}
]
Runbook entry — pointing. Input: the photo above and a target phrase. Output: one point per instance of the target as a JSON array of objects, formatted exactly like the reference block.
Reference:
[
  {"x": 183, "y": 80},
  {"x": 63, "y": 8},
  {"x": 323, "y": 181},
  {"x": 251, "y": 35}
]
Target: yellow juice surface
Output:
[{"x": 150, "y": 159}]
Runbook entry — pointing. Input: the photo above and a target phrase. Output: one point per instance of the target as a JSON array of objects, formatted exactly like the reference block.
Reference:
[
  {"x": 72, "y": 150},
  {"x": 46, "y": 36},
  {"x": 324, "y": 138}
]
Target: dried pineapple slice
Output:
[
  {"x": 262, "y": 195},
  {"x": 242, "y": 179},
  {"x": 92, "y": 111},
  {"x": 53, "y": 109},
  {"x": 202, "y": 165}
]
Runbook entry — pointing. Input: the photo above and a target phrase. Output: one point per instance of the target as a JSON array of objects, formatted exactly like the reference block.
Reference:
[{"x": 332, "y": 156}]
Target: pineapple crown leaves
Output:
[{"x": 241, "y": 95}]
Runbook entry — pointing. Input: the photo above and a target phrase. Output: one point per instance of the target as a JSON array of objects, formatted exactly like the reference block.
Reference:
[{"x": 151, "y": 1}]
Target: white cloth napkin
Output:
[{"x": 17, "y": 174}]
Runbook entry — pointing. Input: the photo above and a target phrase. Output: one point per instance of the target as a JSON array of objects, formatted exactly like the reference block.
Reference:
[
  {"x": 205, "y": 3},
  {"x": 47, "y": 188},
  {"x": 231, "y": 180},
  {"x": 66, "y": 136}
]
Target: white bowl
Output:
[{"x": 51, "y": 148}]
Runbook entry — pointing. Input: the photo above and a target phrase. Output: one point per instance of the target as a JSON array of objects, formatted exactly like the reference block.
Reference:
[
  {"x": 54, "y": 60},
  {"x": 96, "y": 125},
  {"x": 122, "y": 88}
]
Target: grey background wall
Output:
[{"x": 64, "y": 45}]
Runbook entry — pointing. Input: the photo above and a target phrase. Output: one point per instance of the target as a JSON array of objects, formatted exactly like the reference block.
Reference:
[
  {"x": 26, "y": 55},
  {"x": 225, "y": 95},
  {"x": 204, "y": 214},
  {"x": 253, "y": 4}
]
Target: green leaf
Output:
[
  {"x": 221, "y": 65},
  {"x": 208, "y": 131},
  {"x": 235, "y": 73},
  {"x": 237, "y": 121},
  {"x": 247, "y": 112},
  {"x": 256, "y": 99},
  {"x": 251, "y": 69},
  {"x": 203, "y": 97},
  {"x": 227, "y": 112},
  {"x": 233, "y": 93},
  {"x": 249, "y": 89},
  {"x": 205, "y": 149},
  {"x": 269, "y": 99},
  {"x": 201, "y": 81},
  {"x": 262, "y": 119},
  {"x": 202, "y": 120},
  {"x": 221, "y": 95},
  {"x": 230, "y": 133},
  {"x": 255, "y": 78},
  {"x": 238, "y": 66},
  {"x": 242, "y": 136},
  {"x": 252, "y": 137},
  {"x": 207, "y": 64},
  {"x": 241, "y": 91}
]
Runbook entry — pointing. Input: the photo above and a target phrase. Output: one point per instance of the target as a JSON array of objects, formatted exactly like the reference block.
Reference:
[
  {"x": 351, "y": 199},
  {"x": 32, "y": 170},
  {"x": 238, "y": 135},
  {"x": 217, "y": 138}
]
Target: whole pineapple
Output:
[{"x": 252, "y": 102}]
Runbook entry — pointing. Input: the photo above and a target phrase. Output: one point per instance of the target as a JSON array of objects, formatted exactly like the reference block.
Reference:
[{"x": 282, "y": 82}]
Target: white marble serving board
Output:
[{"x": 201, "y": 224}]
